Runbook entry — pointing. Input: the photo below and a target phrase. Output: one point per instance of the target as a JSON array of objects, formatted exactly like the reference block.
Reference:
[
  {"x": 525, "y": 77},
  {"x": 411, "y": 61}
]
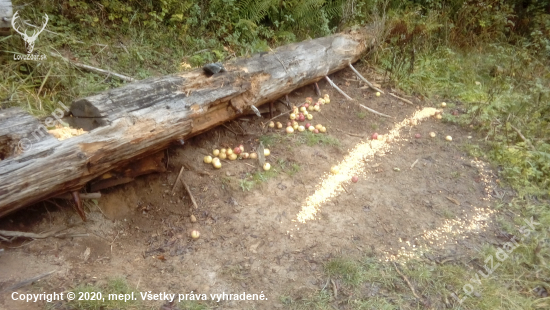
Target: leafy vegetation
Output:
[{"x": 114, "y": 286}]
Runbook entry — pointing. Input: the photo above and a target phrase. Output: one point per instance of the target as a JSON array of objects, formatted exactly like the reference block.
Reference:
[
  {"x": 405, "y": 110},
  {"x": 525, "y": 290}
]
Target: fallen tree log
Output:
[{"x": 144, "y": 117}]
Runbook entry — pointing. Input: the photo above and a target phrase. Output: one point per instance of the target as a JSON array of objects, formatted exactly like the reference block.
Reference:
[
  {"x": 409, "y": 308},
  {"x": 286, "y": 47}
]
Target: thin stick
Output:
[
  {"x": 349, "y": 98},
  {"x": 69, "y": 196},
  {"x": 365, "y": 80},
  {"x": 402, "y": 99},
  {"x": 317, "y": 90},
  {"x": 334, "y": 288},
  {"x": 29, "y": 281},
  {"x": 338, "y": 88},
  {"x": 96, "y": 70},
  {"x": 244, "y": 133},
  {"x": 230, "y": 130},
  {"x": 279, "y": 115},
  {"x": 523, "y": 137},
  {"x": 350, "y": 134},
  {"x": 412, "y": 166},
  {"x": 373, "y": 111},
  {"x": 177, "y": 179},
  {"x": 406, "y": 280},
  {"x": 344, "y": 188},
  {"x": 190, "y": 195},
  {"x": 9, "y": 233}
]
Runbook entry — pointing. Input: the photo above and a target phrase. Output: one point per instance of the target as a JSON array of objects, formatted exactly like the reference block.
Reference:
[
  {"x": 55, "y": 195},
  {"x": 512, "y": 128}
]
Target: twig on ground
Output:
[
  {"x": 69, "y": 196},
  {"x": 9, "y": 233},
  {"x": 456, "y": 202},
  {"x": 230, "y": 130},
  {"x": 177, "y": 179},
  {"x": 96, "y": 70},
  {"x": 373, "y": 111},
  {"x": 412, "y": 166},
  {"x": 287, "y": 112},
  {"x": 345, "y": 189},
  {"x": 523, "y": 137},
  {"x": 28, "y": 281},
  {"x": 349, "y": 98},
  {"x": 365, "y": 80},
  {"x": 317, "y": 90},
  {"x": 189, "y": 192},
  {"x": 244, "y": 133},
  {"x": 334, "y": 288},
  {"x": 406, "y": 280},
  {"x": 338, "y": 88},
  {"x": 350, "y": 134},
  {"x": 402, "y": 99}
]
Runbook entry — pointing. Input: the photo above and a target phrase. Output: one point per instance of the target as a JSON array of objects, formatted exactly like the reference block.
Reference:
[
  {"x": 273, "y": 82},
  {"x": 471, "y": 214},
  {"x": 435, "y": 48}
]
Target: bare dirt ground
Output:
[{"x": 276, "y": 237}]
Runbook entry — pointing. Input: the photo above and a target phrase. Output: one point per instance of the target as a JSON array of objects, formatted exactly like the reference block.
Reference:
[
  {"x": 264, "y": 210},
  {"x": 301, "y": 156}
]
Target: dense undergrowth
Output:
[{"x": 490, "y": 60}]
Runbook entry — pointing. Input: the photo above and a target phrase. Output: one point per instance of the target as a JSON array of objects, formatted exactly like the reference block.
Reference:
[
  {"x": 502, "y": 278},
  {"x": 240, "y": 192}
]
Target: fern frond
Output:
[{"x": 255, "y": 10}]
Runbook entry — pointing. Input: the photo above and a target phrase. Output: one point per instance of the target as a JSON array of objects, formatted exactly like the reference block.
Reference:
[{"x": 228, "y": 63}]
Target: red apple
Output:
[
  {"x": 354, "y": 179},
  {"x": 375, "y": 136},
  {"x": 237, "y": 150},
  {"x": 417, "y": 136}
]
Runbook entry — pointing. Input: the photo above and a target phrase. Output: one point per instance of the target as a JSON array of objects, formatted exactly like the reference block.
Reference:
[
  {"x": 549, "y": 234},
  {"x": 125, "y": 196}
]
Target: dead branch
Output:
[
  {"x": 406, "y": 280},
  {"x": 28, "y": 281},
  {"x": 365, "y": 80},
  {"x": 402, "y": 99},
  {"x": 334, "y": 288},
  {"x": 284, "y": 113},
  {"x": 350, "y": 134},
  {"x": 373, "y": 111},
  {"x": 69, "y": 196},
  {"x": 17, "y": 234},
  {"x": 231, "y": 130},
  {"x": 523, "y": 138},
  {"x": 190, "y": 195},
  {"x": 317, "y": 90},
  {"x": 177, "y": 179},
  {"x": 349, "y": 98},
  {"x": 338, "y": 88},
  {"x": 96, "y": 70}
]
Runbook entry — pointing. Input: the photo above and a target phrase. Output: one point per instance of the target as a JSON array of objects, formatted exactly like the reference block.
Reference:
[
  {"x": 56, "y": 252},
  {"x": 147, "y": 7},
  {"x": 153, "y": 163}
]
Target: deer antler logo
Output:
[{"x": 29, "y": 41}]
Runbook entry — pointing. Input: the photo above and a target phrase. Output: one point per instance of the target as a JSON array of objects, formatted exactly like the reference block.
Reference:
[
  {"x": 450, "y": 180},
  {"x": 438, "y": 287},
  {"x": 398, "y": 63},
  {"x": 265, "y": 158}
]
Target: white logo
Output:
[{"x": 29, "y": 41}]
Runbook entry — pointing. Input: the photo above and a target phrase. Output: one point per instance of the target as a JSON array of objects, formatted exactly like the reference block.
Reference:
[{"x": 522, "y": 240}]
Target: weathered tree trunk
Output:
[{"x": 144, "y": 117}]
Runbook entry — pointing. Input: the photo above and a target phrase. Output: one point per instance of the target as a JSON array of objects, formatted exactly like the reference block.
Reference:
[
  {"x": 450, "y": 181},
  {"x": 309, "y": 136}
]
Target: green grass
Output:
[
  {"x": 192, "y": 305},
  {"x": 114, "y": 286},
  {"x": 510, "y": 285},
  {"x": 311, "y": 139},
  {"x": 494, "y": 105}
]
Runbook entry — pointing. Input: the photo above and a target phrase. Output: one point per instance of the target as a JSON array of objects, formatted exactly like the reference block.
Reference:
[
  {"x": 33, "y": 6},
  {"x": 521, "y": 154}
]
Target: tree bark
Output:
[{"x": 144, "y": 117}]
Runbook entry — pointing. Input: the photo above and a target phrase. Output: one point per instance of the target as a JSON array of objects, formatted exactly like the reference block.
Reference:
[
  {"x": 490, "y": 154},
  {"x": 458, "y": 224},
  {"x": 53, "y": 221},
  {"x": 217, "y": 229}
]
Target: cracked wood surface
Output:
[{"x": 144, "y": 117}]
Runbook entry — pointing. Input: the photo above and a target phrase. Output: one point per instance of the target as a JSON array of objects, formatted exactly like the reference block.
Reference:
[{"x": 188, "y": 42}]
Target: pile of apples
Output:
[
  {"x": 232, "y": 154},
  {"x": 303, "y": 113}
]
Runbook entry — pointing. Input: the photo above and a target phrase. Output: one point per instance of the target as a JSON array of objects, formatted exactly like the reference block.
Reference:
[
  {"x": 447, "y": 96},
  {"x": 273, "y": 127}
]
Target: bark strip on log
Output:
[{"x": 144, "y": 117}]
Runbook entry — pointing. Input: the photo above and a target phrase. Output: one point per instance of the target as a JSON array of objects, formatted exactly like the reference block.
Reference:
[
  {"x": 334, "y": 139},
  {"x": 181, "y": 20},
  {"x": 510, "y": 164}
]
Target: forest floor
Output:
[{"x": 278, "y": 232}]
